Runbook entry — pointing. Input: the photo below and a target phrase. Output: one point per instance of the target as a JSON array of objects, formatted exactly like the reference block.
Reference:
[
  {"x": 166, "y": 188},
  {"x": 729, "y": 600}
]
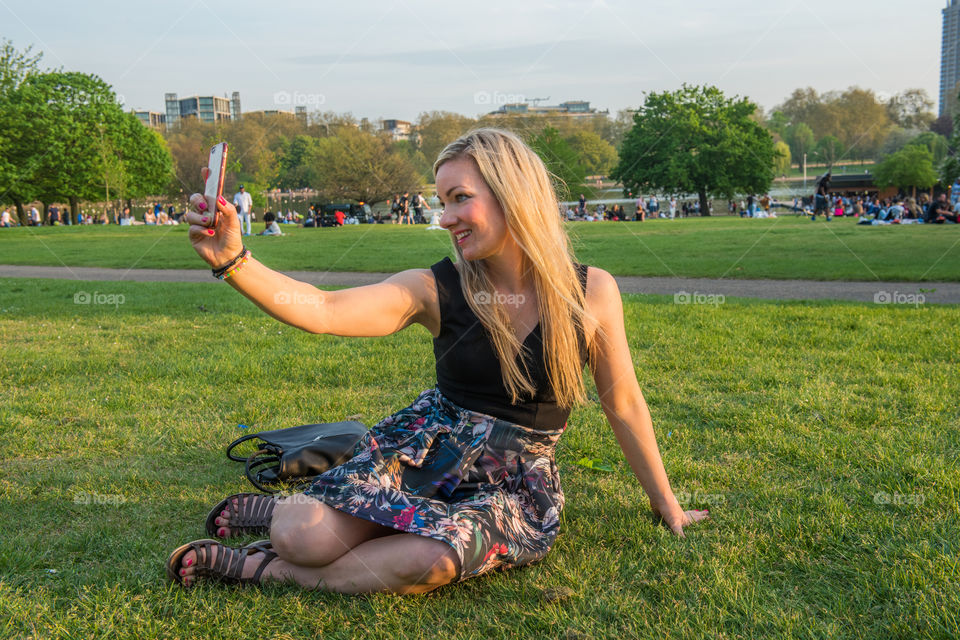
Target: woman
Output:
[{"x": 463, "y": 481}]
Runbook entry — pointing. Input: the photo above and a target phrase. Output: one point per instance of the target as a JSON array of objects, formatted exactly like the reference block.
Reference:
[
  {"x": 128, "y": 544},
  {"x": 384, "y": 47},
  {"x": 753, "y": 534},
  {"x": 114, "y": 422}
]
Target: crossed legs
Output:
[{"x": 319, "y": 547}]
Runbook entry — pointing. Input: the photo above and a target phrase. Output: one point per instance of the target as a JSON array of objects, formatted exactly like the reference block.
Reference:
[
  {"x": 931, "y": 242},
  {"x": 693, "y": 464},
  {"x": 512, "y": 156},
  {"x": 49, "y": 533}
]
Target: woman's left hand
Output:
[{"x": 677, "y": 520}]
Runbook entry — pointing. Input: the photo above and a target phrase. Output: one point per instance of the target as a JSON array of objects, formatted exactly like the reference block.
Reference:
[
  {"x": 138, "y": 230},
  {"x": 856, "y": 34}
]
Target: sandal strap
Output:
[
  {"x": 259, "y": 513},
  {"x": 228, "y": 567}
]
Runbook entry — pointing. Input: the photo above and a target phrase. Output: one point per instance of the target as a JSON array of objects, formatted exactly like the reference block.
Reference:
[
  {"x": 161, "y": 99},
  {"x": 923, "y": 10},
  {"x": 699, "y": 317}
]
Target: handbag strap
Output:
[{"x": 250, "y": 465}]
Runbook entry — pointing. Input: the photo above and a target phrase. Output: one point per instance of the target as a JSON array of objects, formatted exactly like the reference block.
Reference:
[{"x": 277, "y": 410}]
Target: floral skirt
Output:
[{"x": 487, "y": 487}]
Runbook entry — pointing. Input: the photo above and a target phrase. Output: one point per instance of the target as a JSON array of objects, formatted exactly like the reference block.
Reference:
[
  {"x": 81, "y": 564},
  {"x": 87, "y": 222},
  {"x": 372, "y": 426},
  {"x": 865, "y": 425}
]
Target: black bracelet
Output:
[{"x": 222, "y": 270}]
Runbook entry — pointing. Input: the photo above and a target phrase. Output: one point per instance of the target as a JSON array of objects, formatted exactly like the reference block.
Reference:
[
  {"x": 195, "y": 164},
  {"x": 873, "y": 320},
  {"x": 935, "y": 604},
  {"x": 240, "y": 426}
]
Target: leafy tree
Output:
[
  {"x": 293, "y": 172},
  {"x": 595, "y": 155},
  {"x": 561, "y": 160},
  {"x": 356, "y": 166},
  {"x": 936, "y": 144},
  {"x": 800, "y": 138},
  {"x": 437, "y": 129},
  {"x": 912, "y": 166},
  {"x": 696, "y": 140},
  {"x": 830, "y": 149},
  {"x": 781, "y": 157},
  {"x": 15, "y": 67},
  {"x": 911, "y": 109}
]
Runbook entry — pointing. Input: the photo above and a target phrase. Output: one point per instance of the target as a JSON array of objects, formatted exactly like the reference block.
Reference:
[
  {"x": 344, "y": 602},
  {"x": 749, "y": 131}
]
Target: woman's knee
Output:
[{"x": 430, "y": 565}]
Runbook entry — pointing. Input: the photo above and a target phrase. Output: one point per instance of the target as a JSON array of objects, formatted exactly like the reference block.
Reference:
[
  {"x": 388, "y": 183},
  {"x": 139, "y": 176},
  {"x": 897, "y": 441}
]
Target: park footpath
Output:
[{"x": 684, "y": 290}]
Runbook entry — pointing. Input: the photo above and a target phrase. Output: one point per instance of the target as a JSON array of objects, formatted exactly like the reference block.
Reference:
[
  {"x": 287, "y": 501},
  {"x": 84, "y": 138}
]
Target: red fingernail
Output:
[
  {"x": 210, "y": 232},
  {"x": 202, "y": 205},
  {"x": 188, "y": 562},
  {"x": 221, "y": 200}
]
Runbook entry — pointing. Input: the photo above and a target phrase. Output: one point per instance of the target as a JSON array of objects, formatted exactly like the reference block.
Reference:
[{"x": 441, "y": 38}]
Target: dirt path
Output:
[{"x": 685, "y": 289}]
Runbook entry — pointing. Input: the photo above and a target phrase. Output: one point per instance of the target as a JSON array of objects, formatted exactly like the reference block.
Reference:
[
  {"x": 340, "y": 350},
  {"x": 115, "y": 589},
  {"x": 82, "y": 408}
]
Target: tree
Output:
[
  {"x": 594, "y": 154},
  {"x": 801, "y": 141},
  {"x": 15, "y": 67},
  {"x": 911, "y": 109},
  {"x": 561, "y": 161},
  {"x": 357, "y": 166},
  {"x": 781, "y": 157},
  {"x": 437, "y": 129},
  {"x": 696, "y": 140},
  {"x": 830, "y": 149},
  {"x": 937, "y": 145},
  {"x": 293, "y": 171},
  {"x": 912, "y": 166}
]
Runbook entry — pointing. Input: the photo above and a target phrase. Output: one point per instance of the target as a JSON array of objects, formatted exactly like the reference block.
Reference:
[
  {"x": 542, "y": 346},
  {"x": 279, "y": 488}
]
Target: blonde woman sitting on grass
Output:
[{"x": 463, "y": 480}]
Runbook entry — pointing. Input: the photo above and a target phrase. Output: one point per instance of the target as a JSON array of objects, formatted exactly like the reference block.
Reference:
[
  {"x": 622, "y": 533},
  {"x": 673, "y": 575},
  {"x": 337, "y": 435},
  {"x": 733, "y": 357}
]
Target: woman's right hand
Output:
[{"x": 216, "y": 245}]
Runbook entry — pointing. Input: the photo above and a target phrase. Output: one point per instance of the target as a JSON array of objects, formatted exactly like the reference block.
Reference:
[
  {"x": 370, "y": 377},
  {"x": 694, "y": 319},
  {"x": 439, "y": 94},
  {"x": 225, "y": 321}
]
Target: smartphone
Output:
[{"x": 217, "y": 166}]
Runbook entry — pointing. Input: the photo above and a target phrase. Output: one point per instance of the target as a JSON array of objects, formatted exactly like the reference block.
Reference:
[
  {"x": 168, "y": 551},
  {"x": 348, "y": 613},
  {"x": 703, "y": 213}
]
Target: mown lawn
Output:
[
  {"x": 722, "y": 247},
  {"x": 822, "y": 437}
]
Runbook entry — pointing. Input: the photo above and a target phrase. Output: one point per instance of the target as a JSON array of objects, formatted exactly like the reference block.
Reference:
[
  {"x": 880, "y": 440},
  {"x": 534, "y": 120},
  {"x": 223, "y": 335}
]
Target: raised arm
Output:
[
  {"x": 623, "y": 402},
  {"x": 374, "y": 310}
]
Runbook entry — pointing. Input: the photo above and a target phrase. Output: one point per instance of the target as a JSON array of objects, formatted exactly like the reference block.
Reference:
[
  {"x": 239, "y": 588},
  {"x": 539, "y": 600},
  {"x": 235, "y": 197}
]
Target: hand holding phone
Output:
[{"x": 216, "y": 169}]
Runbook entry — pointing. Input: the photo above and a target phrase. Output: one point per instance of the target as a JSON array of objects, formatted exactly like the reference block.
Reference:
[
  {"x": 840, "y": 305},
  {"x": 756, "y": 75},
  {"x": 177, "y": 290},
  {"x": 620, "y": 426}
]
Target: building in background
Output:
[
  {"x": 398, "y": 129},
  {"x": 299, "y": 112},
  {"x": 950, "y": 57},
  {"x": 570, "y": 109},
  {"x": 152, "y": 119},
  {"x": 205, "y": 108}
]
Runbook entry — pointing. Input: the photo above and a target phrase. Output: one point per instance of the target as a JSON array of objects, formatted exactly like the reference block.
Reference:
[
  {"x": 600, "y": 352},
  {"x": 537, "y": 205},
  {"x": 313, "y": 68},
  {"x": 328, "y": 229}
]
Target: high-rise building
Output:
[
  {"x": 950, "y": 56},
  {"x": 151, "y": 119},
  {"x": 206, "y": 108}
]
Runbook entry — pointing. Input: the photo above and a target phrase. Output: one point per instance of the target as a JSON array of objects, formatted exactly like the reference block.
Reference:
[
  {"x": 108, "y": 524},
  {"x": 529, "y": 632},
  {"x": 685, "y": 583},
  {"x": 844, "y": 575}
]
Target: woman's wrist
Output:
[{"x": 219, "y": 271}]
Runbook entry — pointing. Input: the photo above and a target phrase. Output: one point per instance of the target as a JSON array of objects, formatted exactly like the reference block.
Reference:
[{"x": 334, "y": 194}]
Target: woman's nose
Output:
[{"x": 446, "y": 219}]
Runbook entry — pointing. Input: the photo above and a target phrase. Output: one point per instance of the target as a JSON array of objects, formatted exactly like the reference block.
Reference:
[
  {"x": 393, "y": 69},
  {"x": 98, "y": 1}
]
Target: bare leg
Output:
[
  {"x": 308, "y": 533},
  {"x": 401, "y": 563}
]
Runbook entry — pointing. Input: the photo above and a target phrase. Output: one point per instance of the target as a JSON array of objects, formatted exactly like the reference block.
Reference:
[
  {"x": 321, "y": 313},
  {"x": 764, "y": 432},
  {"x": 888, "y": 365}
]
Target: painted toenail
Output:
[
  {"x": 223, "y": 513},
  {"x": 188, "y": 562},
  {"x": 221, "y": 531},
  {"x": 183, "y": 572}
]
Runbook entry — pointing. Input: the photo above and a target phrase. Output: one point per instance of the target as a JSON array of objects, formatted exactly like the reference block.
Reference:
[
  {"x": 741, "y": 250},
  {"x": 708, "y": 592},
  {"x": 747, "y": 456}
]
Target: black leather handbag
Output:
[{"x": 291, "y": 457}]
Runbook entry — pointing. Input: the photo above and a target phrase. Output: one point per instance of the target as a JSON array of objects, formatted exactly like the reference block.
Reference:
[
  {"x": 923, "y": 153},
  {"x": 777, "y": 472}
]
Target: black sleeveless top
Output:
[{"x": 468, "y": 370}]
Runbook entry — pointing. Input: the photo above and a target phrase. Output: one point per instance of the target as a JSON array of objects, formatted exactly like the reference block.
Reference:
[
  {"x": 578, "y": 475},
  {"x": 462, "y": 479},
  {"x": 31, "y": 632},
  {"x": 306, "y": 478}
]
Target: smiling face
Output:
[{"x": 471, "y": 212}]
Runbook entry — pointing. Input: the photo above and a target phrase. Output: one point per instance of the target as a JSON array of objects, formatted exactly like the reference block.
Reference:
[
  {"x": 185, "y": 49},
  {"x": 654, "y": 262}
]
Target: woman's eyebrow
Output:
[{"x": 452, "y": 188}]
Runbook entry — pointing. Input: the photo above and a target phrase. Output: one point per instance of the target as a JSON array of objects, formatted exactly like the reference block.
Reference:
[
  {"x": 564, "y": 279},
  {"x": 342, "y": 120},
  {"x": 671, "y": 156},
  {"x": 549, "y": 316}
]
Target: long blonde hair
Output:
[{"x": 521, "y": 183}]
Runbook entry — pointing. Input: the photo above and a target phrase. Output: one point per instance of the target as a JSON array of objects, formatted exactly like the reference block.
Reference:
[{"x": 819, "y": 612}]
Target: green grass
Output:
[
  {"x": 790, "y": 421},
  {"x": 721, "y": 247}
]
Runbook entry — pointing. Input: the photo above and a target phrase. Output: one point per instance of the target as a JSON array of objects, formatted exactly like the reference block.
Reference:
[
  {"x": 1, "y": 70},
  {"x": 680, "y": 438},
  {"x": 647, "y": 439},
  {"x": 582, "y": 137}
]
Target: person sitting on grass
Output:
[
  {"x": 463, "y": 481},
  {"x": 272, "y": 228}
]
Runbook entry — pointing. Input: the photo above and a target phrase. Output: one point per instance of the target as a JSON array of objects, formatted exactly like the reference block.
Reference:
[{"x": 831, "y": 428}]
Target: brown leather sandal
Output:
[
  {"x": 252, "y": 517},
  {"x": 228, "y": 566}
]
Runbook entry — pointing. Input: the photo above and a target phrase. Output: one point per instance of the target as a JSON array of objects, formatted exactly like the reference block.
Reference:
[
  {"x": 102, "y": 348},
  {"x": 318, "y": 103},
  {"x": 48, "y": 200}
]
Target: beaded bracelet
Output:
[
  {"x": 238, "y": 266},
  {"x": 217, "y": 273}
]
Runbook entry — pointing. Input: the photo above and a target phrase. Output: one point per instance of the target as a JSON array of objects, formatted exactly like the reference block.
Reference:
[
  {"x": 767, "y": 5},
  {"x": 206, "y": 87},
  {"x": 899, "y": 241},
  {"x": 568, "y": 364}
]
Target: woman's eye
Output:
[{"x": 459, "y": 196}]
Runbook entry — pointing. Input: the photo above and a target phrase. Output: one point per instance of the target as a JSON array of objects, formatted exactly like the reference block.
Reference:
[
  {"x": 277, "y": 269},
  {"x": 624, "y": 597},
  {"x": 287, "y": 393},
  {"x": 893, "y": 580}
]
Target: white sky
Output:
[{"x": 394, "y": 59}]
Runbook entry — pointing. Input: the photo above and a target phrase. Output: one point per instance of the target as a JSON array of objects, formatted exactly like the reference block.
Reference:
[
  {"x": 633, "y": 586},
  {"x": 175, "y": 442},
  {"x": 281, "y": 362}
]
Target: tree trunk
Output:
[
  {"x": 75, "y": 209},
  {"x": 45, "y": 220},
  {"x": 21, "y": 214},
  {"x": 704, "y": 204}
]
